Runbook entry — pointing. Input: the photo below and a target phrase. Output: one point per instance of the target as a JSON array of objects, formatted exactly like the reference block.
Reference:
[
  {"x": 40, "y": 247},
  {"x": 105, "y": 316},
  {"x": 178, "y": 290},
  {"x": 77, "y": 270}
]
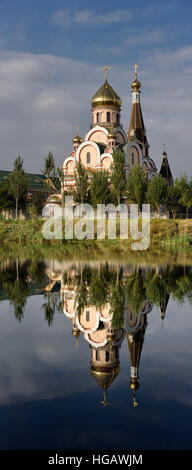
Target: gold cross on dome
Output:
[
  {"x": 136, "y": 66},
  {"x": 77, "y": 127},
  {"x": 106, "y": 68}
]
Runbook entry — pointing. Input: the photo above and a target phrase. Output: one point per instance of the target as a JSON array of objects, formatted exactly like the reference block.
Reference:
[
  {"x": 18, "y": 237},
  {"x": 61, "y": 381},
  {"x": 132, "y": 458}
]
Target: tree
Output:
[
  {"x": 173, "y": 197},
  {"x": 136, "y": 186},
  {"x": 18, "y": 182},
  {"x": 118, "y": 175},
  {"x": 186, "y": 197},
  {"x": 49, "y": 168},
  {"x": 157, "y": 192},
  {"x": 6, "y": 199},
  {"x": 81, "y": 184},
  {"x": 99, "y": 188}
]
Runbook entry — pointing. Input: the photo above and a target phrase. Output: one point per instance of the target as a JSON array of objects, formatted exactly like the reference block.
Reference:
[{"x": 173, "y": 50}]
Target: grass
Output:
[{"x": 168, "y": 237}]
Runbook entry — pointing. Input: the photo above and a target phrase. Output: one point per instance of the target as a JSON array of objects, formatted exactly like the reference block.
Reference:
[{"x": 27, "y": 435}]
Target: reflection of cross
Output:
[
  {"x": 136, "y": 66},
  {"x": 106, "y": 68}
]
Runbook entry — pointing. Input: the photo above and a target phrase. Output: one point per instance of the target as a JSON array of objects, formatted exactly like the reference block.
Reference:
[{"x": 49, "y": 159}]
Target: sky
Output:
[{"x": 52, "y": 56}]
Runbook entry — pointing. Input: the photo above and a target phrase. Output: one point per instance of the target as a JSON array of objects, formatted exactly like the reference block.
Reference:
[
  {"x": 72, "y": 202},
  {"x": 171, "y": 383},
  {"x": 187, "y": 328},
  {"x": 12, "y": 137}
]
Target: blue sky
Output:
[{"x": 51, "y": 60}]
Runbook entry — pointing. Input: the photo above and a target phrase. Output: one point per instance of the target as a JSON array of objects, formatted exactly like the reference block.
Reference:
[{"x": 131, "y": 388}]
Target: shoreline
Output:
[{"x": 169, "y": 239}]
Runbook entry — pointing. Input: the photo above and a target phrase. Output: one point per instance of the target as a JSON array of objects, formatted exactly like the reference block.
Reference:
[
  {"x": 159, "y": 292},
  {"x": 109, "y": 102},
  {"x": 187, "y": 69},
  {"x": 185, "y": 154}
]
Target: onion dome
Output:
[
  {"x": 77, "y": 139},
  {"x": 105, "y": 376},
  {"x": 136, "y": 85},
  {"x": 106, "y": 95},
  {"x": 111, "y": 134},
  {"x": 54, "y": 199}
]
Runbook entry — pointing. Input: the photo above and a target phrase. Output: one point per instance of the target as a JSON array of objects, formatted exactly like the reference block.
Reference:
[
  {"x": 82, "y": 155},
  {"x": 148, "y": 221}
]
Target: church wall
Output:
[
  {"x": 70, "y": 167},
  {"x": 93, "y": 155},
  {"x": 133, "y": 150},
  {"x": 120, "y": 138},
  {"x": 92, "y": 322},
  {"x": 99, "y": 136},
  {"x": 106, "y": 163}
]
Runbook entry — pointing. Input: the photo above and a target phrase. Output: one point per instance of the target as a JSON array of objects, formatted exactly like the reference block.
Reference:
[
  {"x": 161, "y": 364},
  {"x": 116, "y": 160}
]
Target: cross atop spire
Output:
[
  {"x": 136, "y": 66},
  {"x": 77, "y": 127},
  {"x": 106, "y": 68}
]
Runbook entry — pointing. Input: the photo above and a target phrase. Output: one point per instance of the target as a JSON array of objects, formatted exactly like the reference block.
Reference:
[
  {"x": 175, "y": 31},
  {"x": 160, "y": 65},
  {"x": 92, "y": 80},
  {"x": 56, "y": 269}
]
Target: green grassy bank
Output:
[{"x": 167, "y": 237}]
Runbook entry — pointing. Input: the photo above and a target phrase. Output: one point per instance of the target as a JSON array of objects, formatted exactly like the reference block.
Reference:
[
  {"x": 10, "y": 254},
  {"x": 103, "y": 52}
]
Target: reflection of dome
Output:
[
  {"x": 54, "y": 199},
  {"x": 105, "y": 376},
  {"x": 106, "y": 96}
]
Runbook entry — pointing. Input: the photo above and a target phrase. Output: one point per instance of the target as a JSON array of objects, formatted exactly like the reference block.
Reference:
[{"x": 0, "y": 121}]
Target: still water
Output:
[{"x": 95, "y": 355}]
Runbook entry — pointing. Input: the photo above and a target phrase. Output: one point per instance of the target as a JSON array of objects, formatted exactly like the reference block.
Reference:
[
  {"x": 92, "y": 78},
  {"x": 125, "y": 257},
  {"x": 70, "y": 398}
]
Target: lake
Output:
[{"x": 95, "y": 355}]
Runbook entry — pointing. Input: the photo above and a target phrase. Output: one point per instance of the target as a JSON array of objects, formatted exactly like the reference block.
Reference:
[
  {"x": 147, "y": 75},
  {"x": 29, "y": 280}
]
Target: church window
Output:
[
  {"x": 108, "y": 116},
  {"x": 97, "y": 117},
  {"x": 87, "y": 315},
  {"x": 107, "y": 356},
  {"x": 133, "y": 158},
  {"x": 117, "y": 118},
  {"x": 88, "y": 157}
]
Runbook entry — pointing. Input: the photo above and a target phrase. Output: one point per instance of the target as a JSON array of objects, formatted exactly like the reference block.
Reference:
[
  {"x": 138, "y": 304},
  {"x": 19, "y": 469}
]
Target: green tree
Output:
[
  {"x": 6, "y": 199},
  {"x": 18, "y": 182},
  {"x": 136, "y": 186},
  {"x": 81, "y": 184},
  {"x": 118, "y": 175},
  {"x": 49, "y": 168},
  {"x": 173, "y": 197},
  {"x": 186, "y": 197},
  {"x": 99, "y": 188},
  {"x": 157, "y": 192}
]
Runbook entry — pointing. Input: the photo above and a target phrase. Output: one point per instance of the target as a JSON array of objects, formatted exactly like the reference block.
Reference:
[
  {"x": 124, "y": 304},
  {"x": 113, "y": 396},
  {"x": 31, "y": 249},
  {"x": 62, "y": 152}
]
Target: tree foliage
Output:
[
  {"x": 18, "y": 182},
  {"x": 81, "y": 184},
  {"x": 118, "y": 175},
  {"x": 99, "y": 188},
  {"x": 157, "y": 192},
  {"x": 136, "y": 186}
]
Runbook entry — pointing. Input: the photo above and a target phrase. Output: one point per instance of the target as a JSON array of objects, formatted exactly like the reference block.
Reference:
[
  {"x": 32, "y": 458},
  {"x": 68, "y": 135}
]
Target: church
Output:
[{"x": 106, "y": 135}]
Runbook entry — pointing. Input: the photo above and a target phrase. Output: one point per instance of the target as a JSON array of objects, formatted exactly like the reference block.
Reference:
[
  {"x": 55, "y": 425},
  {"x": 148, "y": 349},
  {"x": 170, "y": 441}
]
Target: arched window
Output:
[
  {"x": 88, "y": 157},
  {"x": 97, "y": 117},
  {"x": 107, "y": 356},
  {"x": 133, "y": 158},
  {"x": 117, "y": 118},
  {"x": 87, "y": 315},
  {"x": 108, "y": 116}
]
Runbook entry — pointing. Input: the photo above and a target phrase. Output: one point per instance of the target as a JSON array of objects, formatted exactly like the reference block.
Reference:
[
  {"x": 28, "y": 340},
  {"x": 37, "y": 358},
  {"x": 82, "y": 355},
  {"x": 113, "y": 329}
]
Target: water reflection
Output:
[{"x": 105, "y": 303}]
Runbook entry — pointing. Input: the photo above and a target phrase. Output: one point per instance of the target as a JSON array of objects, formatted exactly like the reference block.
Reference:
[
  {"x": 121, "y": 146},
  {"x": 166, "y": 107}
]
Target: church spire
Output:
[
  {"x": 165, "y": 170},
  {"x": 136, "y": 130}
]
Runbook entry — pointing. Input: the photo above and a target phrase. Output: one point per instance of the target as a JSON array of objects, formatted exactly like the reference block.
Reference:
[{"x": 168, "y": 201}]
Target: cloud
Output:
[
  {"x": 43, "y": 98},
  {"x": 67, "y": 17}
]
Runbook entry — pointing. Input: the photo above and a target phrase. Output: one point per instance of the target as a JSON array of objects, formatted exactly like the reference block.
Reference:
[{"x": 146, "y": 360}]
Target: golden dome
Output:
[
  {"x": 134, "y": 385},
  {"x": 77, "y": 139},
  {"x": 111, "y": 134},
  {"x": 106, "y": 96},
  {"x": 136, "y": 85},
  {"x": 54, "y": 199},
  {"x": 105, "y": 376}
]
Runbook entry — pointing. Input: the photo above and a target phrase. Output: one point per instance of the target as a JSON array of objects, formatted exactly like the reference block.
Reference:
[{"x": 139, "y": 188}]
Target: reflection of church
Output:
[{"x": 96, "y": 325}]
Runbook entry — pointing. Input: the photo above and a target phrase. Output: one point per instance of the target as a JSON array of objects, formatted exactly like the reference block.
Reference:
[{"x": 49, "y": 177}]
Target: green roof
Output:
[
  {"x": 101, "y": 146},
  {"x": 36, "y": 181}
]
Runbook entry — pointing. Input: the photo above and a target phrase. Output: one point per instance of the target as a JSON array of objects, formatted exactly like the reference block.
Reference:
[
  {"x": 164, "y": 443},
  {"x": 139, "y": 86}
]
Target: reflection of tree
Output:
[
  {"x": 17, "y": 289},
  {"x": 98, "y": 289},
  {"x": 49, "y": 307},
  {"x": 135, "y": 293},
  {"x": 117, "y": 306}
]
